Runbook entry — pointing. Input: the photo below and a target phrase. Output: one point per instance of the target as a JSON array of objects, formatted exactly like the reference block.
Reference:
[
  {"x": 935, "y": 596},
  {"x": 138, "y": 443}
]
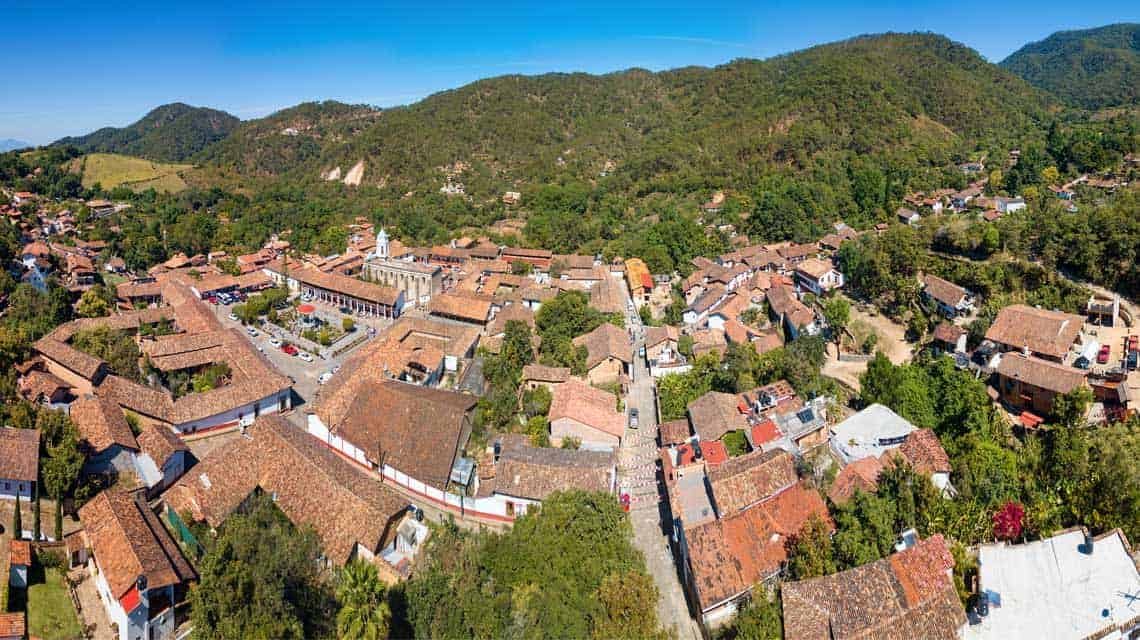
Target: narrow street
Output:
[{"x": 649, "y": 506}]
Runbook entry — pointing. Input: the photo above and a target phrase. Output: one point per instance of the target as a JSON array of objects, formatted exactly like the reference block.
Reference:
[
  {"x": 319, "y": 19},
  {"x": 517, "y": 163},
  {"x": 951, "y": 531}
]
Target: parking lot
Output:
[{"x": 304, "y": 374}]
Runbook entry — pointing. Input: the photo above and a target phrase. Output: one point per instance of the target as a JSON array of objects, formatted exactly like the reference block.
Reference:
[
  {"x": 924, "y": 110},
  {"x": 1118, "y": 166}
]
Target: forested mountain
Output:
[
  {"x": 916, "y": 97},
  {"x": 288, "y": 138},
  {"x": 1092, "y": 68},
  {"x": 170, "y": 133}
]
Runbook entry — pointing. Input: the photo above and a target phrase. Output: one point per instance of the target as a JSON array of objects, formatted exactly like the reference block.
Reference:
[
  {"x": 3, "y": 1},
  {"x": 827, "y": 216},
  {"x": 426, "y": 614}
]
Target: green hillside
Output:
[
  {"x": 918, "y": 97},
  {"x": 170, "y": 133},
  {"x": 1093, "y": 68},
  {"x": 113, "y": 170}
]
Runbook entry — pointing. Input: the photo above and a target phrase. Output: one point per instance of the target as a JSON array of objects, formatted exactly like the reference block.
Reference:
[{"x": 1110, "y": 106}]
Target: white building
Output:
[
  {"x": 1070, "y": 586},
  {"x": 869, "y": 433},
  {"x": 19, "y": 462},
  {"x": 418, "y": 281},
  {"x": 138, "y": 569}
]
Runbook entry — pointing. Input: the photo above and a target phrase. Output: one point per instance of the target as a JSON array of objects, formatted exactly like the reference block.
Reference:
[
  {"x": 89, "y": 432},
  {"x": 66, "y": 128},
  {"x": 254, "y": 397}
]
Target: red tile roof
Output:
[
  {"x": 730, "y": 555},
  {"x": 19, "y": 454},
  {"x": 588, "y": 405}
]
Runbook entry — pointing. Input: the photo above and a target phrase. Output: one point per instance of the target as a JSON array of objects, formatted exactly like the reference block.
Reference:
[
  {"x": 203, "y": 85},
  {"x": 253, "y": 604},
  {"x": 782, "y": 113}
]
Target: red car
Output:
[
  {"x": 289, "y": 349},
  {"x": 1102, "y": 357}
]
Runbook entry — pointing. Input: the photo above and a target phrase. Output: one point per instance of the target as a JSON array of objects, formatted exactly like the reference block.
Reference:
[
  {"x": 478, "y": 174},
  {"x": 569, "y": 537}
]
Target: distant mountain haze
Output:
[{"x": 10, "y": 144}]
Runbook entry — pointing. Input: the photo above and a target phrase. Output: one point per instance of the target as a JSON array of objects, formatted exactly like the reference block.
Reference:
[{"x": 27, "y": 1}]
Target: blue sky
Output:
[{"x": 71, "y": 68}]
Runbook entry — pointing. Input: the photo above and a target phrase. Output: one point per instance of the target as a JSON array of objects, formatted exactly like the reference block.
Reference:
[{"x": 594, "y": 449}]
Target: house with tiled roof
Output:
[
  {"x": 139, "y": 571},
  {"x": 949, "y": 338},
  {"x": 608, "y": 353},
  {"x": 921, "y": 451},
  {"x": 535, "y": 375},
  {"x": 818, "y": 276},
  {"x": 105, "y": 436},
  {"x": 1033, "y": 384},
  {"x": 909, "y": 594},
  {"x": 472, "y": 309},
  {"x": 523, "y": 476},
  {"x": 354, "y": 515},
  {"x": 19, "y": 462},
  {"x": 162, "y": 459},
  {"x": 578, "y": 410},
  {"x": 950, "y": 299},
  {"x": 786, "y": 309},
  {"x": 395, "y": 428},
  {"x": 253, "y": 387},
  {"x": 1038, "y": 332},
  {"x": 13, "y": 626},
  {"x": 723, "y": 559}
]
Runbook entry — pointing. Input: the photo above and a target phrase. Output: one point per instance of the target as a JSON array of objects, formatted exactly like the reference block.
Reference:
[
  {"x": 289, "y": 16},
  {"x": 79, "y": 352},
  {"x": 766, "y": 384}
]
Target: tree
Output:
[
  {"x": 568, "y": 570},
  {"x": 59, "y": 519},
  {"x": 61, "y": 468},
  {"x": 347, "y": 324},
  {"x": 364, "y": 611},
  {"x": 760, "y": 619},
  {"x": 119, "y": 350},
  {"x": 837, "y": 313},
  {"x": 261, "y": 579},
  {"x": 1069, "y": 409},
  {"x": 1050, "y": 175},
  {"x": 36, "y": 514},
  {"x": 92, "y": 305},
  {"x": 17, "y": 521},
  {"x": 809, "y": 552},
  {"x": 1008, "y": 521}
]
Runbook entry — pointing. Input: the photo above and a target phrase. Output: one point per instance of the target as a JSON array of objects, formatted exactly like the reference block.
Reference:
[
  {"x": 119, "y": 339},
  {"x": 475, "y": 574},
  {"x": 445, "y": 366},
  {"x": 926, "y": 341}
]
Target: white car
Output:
[
  {"x": 325, "y": 377},
  {"x": 233, "y": 316},
  {"x": 305, "y": 355},
  {"x": 274, "y": 342},
  {"x": 253, "y": 333}
]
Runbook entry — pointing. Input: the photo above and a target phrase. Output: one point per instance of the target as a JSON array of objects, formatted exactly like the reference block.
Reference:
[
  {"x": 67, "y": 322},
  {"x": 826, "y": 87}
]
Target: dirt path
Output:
[{"x": 892, "y": 342}]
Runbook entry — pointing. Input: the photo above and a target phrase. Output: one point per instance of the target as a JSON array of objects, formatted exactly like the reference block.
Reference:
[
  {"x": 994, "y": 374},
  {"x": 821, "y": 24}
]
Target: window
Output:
[{"x": 7, "y": 486}]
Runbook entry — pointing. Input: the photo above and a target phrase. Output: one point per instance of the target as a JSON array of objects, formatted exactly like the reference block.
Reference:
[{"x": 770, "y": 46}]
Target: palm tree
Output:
[{"x": 364, "y": 611}]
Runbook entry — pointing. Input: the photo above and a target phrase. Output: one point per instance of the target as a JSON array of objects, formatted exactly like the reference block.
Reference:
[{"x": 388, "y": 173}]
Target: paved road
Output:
[{"x": 649, "y": 510}]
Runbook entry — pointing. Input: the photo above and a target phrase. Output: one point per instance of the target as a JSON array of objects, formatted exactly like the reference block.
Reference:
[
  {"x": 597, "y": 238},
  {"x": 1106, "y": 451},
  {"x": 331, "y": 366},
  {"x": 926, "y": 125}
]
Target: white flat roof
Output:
[
  {"x": 871, "y": 432},
  {"x": 1050, "y": 589}
]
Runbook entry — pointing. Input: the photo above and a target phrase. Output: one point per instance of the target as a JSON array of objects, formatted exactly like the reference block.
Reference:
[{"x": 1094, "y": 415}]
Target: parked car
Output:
[
  {"x": 325, "y": 377},
  {"x": 641, "y": 352},
  {"x": 305, "y": 355},
  {"x": 275, "y": 342},
  {"x": 289, "y": 349},
  {"x": 233, "y": 316},
  {"x": 1102, "y": 356},
  {"x": 252, "y": 332},
  {"x": 633, "y": 418}
]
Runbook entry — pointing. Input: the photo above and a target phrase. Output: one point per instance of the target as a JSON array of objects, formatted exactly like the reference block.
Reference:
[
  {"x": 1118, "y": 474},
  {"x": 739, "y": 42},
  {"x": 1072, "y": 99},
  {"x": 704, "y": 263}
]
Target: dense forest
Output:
[
  {"x": 170, "y": 133},
  {"x": 1091, "y": 68}
]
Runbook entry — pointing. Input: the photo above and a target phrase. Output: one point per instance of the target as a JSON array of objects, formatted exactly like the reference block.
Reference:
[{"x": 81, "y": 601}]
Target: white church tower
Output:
[{"x": 382, "y": 245}]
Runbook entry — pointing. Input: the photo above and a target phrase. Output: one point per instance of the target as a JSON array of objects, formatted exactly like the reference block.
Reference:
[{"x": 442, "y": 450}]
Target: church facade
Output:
[{"x": 417, "y": 280}]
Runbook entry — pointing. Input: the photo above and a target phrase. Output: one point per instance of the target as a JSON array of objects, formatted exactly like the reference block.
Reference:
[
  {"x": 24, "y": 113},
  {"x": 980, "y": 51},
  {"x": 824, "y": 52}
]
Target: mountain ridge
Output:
[
  {"x": 168, "y": 133},
  {"x": 1087, "y": 68}
]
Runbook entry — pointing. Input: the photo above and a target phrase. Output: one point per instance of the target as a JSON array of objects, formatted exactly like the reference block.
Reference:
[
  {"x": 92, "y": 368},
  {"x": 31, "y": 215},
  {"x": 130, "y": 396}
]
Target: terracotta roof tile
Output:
[
  {"x": 535, "y": 473},
  {"x": 607, "y": 341},
  {"x": 160, "y": 443},
  {"x": 908, "y": 595},
  {"x": 746, "y": 480},
  {"x": 1040, "y": 373},
  {"x": 19, "y": 454},
  {"x": 129, "y": 541},
  {"x": 102, "y": 424},
  {"x": 593, "y": 407},
  {"x": 729, "y": 555},
  {"x": 1050, "y": 333},
  {"x": 312, "y": 486},
  {"x": 715, "y": 414}
]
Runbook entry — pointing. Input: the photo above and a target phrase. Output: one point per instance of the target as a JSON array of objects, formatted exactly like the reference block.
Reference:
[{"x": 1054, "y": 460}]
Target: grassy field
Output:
[
  {"x": 51, "y": 616},
  {"x": 111, "y": 170}
]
